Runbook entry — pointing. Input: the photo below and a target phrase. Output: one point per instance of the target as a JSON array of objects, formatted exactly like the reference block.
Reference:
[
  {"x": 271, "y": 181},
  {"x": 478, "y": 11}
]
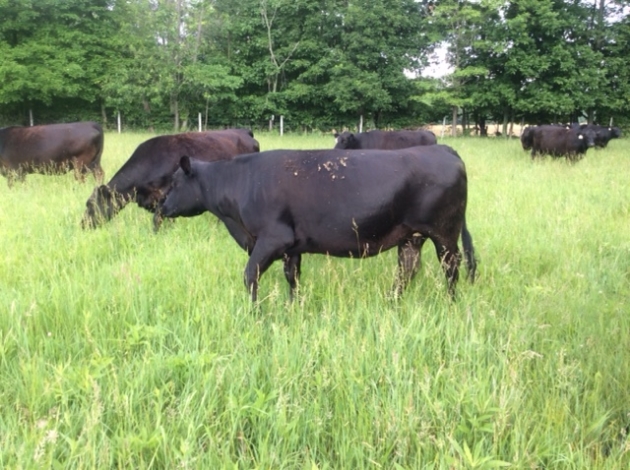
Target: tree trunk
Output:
[
  {"x": 483, "y": 130},
  {"x": 205, "y": 126},
  {"x": 176, "y": 111},
  {"x": 454, "y": 124},
  {"x": 103, "y": 114},
  {"x": 505, "y": 122}
]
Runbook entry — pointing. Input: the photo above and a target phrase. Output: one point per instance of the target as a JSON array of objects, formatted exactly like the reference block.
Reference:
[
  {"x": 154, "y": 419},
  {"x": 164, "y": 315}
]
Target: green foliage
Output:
[{"x": 319, "y": 63}]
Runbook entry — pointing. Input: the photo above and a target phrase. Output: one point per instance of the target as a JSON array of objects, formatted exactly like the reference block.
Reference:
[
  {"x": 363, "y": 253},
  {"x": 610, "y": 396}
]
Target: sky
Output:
[{"x": 439, "y": 65}]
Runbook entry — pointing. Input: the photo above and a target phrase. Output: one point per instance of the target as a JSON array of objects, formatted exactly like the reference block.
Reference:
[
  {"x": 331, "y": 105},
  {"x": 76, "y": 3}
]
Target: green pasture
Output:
[{"x": 121, "y": 348}]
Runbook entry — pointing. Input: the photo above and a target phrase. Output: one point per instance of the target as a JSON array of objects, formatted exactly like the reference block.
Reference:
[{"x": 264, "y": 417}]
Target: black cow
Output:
[
  {"x": 385, "y": 140},
  {"x": 559, "y": 141},
  {"x": 146, "y": 176},
  {"x": 52, "y": 148},
  {"x": 603, "y": 134},
  {"x": 282, "y": 203}
]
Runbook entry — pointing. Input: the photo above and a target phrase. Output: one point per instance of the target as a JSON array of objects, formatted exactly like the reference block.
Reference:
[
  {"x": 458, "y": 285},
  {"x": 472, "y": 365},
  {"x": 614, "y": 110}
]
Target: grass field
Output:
[{"x": 120, "y": 348}]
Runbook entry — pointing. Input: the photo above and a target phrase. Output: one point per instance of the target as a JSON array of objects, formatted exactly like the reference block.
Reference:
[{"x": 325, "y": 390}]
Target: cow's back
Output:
[
  {"x": 393, "y": 140},
  {"x": 155, "y": 160}
]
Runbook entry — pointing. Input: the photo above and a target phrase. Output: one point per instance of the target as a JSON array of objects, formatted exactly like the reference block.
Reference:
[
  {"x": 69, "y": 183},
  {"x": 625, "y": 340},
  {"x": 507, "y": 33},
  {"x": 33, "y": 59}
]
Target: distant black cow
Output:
[
  {"x": 282, "y": 203},
  {"x": 146, "y": 176},
  {"x": 558, "y": 141},
  {"x": 603, "y": 134},
  {"x": 53, "y": 148},
  {"x": 385, "y": 140}
]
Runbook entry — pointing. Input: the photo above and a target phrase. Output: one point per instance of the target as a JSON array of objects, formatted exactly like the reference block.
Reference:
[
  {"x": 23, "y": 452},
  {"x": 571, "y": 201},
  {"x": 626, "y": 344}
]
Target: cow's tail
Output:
[
  {"x": 95, "y": 165},
  {"x": 469, "y": 253}
]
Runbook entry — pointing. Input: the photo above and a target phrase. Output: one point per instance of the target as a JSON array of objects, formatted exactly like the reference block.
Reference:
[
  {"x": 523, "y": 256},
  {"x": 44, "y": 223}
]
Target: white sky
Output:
[{"x": 438, "y": 64}]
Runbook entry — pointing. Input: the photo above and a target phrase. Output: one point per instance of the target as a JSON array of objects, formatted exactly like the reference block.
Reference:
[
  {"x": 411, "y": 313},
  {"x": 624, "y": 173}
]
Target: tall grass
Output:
[{"x": 124, "y": 349}]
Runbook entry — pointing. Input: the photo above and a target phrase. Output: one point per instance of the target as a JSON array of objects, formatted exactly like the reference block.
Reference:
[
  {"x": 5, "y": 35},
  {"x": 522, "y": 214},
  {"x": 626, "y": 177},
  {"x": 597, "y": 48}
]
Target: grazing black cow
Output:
[
  {"x": 52, "y": 148},
  {"x": 559, "y": 141},
  {"x": 147, "y": 174},
  {"x": 282, "y": 203},
  {"x": 385, "y": 140}
]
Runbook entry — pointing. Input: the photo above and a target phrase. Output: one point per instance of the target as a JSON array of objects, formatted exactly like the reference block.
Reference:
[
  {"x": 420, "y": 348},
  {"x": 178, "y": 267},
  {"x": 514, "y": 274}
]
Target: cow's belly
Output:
[{"x": 348, "y": 243}]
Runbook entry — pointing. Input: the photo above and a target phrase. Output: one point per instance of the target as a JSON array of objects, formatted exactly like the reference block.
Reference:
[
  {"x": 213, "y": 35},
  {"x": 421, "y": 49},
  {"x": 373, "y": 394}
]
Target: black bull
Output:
[
  {"x": 52, "y": 148},
  {"x": 146, "y": 176},
  {"x": 282, "y": 203}
]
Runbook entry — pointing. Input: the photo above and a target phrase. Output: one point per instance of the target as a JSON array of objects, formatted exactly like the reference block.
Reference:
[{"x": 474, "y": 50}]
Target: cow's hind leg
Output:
[
  {"x": 79, "y": 169},
  {"x": 99, "y": 174},
  {"x": 292, "y": 272},
  {"x": 450, "y": 258},
  {"x": 408, "y": 262}
]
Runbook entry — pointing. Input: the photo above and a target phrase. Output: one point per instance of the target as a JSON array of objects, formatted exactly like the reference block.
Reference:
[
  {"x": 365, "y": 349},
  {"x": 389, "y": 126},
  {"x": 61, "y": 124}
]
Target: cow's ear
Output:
[
  {"x": 336, "y": 135},
  {"x": 184, "y": 163}
]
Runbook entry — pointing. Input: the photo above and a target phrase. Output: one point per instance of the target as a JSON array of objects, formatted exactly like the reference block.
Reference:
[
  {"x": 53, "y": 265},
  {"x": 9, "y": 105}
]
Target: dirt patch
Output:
[{"x": 440, "y": 130}]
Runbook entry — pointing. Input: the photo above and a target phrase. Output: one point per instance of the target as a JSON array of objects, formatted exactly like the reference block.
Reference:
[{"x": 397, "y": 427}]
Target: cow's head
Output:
[
  {"x": 346, "y": 140},
  {"x": 527, "y": 138},
  {"x": 101, "y": 206},
  {"x": 615, "y": 133},
  {"x": 588, "y": 135},
  {"x": 185, "y": 197}
]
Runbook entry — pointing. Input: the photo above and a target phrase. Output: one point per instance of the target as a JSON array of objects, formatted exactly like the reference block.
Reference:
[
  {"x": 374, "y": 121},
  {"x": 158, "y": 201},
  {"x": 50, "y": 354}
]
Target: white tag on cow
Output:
[{"x": 580, "y": 136}]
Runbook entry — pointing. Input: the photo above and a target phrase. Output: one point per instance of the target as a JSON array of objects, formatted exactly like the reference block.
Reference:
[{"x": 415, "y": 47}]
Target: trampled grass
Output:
[{"x": 120, "y": 348}]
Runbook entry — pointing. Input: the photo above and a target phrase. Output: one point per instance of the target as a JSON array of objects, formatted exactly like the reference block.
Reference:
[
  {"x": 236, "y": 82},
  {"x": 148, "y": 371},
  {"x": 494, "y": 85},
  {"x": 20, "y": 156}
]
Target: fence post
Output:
[
  {"x": 281, "y": 124},
  {"x": 118, "y": 121}
]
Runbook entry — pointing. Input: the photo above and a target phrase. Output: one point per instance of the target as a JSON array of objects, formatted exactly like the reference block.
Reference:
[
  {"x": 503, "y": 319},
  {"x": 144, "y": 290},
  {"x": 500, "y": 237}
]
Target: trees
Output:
[
  {"x": 539, "y": 60},
  {"x": 51, "y": 51},
  {"x": 377, "y": 42},
  {"x": 321, "y": 63}
]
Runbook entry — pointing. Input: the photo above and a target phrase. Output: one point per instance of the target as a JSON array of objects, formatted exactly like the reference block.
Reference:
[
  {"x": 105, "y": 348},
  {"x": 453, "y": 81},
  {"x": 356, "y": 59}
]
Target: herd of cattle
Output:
[
  {"x": 570, "y": 141},
  {"x": 372, "y": 192}
]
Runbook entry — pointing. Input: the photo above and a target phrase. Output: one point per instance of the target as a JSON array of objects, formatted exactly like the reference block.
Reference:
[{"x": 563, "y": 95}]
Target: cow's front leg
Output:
[
  {"x": 267, "y": 249},
  {"x": 292, "y": 272}
]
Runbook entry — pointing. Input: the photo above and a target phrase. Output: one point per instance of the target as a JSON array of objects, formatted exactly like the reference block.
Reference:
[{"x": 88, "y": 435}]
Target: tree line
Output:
[{"x": 321, "y": 64}]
